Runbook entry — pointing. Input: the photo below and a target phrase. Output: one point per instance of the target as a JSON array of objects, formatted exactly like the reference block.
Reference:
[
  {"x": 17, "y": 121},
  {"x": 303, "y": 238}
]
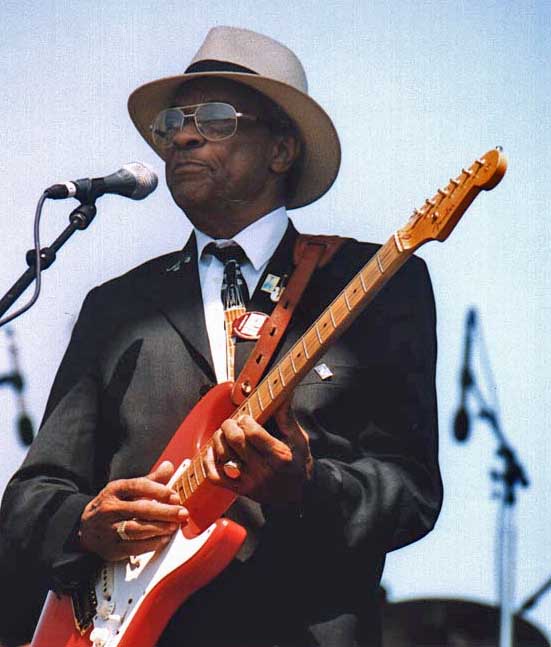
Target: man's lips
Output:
[{"x": 189, "y": 166}]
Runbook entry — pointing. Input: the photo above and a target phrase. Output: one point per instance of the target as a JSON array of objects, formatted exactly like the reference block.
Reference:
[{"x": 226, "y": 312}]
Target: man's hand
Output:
[
  {"x": 271, "y": 470},
  {"x": 150, "y": 509}
]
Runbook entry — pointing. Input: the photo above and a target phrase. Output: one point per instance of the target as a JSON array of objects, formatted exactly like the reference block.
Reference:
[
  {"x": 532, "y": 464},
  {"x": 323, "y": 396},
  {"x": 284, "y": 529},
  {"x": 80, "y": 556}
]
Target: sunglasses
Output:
[{"x": 215, "y": 121}]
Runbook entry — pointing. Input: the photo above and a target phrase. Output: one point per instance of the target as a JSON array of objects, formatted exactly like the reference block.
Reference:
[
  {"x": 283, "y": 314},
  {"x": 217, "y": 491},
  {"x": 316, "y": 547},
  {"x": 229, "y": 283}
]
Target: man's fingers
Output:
[
  {"x": 287, "y": 422},
  {"x": 138, "y": 530},
  {"x": 148, "y": 510},
  {"x": 262, "y": 442},
  {"x": 163, "y": 473},
  {"x": 220, "y": 447},
  {"x": 233, "y": 434},
  {"x": 141, "y": 487}
]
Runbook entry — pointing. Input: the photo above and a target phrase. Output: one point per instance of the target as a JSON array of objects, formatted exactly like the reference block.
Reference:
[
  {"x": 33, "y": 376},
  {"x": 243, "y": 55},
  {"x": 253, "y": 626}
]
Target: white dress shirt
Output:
[{"x": 259, "y": 241}]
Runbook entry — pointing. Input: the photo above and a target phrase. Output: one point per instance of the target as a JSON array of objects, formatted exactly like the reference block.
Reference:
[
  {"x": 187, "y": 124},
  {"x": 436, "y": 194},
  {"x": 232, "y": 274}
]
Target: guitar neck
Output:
[
  {"x": 434, "y": 221},
  {"x": 279, "y": 383},
  {"x": 277, "y": 386}
]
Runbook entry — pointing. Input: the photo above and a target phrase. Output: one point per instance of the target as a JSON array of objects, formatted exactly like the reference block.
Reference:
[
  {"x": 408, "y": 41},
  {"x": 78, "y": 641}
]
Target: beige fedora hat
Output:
[{"x": 271, "y": 68}]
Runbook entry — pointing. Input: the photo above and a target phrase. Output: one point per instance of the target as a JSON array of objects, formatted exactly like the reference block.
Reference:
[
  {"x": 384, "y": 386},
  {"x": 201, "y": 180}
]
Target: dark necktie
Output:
[
  {"x": 235, "y": 296},
  {"x": 234, "y": 292}
]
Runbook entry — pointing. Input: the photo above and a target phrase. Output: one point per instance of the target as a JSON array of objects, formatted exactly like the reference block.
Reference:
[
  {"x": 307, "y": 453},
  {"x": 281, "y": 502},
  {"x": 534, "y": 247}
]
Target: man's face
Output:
[{"x": 207, "y": 178}]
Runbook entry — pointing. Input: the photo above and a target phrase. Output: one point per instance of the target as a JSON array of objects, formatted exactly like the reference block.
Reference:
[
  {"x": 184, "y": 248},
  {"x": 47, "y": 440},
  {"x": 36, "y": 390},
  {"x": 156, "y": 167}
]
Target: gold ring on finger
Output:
[{"x": 121, "y": 532}]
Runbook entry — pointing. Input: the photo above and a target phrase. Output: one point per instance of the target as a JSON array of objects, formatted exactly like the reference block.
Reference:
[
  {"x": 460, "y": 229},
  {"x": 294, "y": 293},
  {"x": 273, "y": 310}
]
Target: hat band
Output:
[{"x": 209, "y": 65}]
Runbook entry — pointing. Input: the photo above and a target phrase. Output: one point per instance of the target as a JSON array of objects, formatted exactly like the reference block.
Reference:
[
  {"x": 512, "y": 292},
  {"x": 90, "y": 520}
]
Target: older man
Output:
[{"x": 344, "y": 475}]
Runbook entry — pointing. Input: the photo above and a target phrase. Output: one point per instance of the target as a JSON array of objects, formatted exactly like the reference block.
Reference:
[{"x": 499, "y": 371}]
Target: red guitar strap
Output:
[{"x": 310, "y": 252}]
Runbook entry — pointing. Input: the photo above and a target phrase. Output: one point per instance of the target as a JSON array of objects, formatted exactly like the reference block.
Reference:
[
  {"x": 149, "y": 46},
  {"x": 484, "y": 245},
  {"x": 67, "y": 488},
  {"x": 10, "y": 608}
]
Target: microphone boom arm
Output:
[{"x": 79, "y": 219}]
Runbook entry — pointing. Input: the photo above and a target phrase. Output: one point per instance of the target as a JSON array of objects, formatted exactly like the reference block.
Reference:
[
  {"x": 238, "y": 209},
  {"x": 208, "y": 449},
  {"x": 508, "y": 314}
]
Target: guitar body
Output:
[{"x": 135, "y": 598}]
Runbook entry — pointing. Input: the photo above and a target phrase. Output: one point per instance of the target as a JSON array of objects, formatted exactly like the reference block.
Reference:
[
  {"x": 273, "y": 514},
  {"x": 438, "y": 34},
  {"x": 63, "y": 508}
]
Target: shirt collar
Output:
[{"x": 259, "y": 240}]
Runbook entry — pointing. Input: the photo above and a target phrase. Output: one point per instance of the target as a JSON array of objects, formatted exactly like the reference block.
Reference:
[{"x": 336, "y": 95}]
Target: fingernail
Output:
[{"x": 182, "y": 513}]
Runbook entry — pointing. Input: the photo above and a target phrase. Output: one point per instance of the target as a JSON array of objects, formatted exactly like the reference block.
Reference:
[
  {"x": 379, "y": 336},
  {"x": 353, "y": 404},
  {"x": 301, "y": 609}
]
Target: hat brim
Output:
[{"x": 321, "y": 155}]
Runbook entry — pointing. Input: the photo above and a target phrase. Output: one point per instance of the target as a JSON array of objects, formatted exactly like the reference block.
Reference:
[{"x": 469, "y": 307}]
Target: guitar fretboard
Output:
[
  {"x": 434, "y": 221},
  {"x": 279, "y": 383}
]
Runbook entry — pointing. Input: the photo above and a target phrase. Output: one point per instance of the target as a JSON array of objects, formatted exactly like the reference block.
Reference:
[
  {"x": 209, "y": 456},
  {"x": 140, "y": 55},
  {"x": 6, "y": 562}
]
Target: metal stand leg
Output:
[{"x": 506, "y": 555}]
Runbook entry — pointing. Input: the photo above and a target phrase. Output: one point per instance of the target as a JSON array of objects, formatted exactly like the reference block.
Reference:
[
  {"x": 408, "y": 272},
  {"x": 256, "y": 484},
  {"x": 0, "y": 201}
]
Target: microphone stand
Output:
[
  {"x": 79, "y": 219},
  {"x": 530, "y": 602},
  {"x": 511, "y": 477}
]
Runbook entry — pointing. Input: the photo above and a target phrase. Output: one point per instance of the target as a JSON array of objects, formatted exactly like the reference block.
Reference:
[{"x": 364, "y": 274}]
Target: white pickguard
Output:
[{"x": 128, "y": 582}]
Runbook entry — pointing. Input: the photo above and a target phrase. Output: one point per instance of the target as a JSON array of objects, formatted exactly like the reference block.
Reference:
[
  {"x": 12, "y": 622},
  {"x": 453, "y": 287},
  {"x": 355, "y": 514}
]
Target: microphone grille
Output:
[{"x": 146, "y": 179}]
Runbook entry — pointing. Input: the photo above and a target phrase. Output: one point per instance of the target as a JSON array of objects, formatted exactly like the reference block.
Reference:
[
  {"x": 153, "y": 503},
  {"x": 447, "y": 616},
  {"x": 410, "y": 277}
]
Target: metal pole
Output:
[{"x": 506, "y": 572}]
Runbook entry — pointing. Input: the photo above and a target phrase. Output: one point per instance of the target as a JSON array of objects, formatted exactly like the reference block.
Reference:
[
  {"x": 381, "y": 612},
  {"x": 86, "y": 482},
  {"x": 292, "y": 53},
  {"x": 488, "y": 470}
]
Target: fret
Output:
[
  {"x": 200, "y": 461},
  {"x": 293, "y": 363},
  {"x": 183, "y": 483},
  {"x": 364, "y": 286},
  {"x": 347, "y": 301},
  {"x": 332, "y": 317},
  {"x": 198, "y": 469},
  {"x": 250, "y": 408},
  {"x": 306, "y": 353},
  {"x": 280, "y": 374},
  {"x": 398, "y": 242},
  {"x": 318, "y": 333},
  {"x": 270, "y": 390},
  {"x": 380, "y": 265},
  {"x": 189, "y": 480},
  {"x": 259, "y": 400},
  {"x": 178, "y": 488}
]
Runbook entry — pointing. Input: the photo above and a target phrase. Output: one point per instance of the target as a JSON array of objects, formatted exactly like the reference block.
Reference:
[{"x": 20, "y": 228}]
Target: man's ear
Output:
[{"x": 285, "y": 151}]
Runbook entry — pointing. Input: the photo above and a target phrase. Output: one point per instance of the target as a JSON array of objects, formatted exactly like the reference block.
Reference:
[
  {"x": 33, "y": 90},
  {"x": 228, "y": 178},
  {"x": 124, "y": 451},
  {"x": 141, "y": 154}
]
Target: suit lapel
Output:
[
  {"x": 179, "y": 299},
  {"x": 177, "y": 295}
]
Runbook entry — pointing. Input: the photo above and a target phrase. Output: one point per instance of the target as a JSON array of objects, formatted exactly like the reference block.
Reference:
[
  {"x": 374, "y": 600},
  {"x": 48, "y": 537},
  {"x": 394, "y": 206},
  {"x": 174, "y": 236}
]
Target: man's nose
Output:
[{"x": 188, "y": 136}]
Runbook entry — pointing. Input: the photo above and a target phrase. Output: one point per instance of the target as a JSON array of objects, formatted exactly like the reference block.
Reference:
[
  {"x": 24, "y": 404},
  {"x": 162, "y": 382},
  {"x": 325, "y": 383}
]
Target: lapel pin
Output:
[
  {"x": 323, "y": 371},
  {"x": 249, "y": 325},
  {"x": 270, "y": 283},
  {"x": 175, "y": 267},
  {"x": 275, "y": 296}
]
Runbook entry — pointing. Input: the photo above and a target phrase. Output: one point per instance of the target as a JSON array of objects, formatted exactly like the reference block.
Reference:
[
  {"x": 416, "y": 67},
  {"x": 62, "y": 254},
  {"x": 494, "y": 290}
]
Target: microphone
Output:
[
  {"x": 25, "y": 429},
  {"x": 24, "y": 425},
  {"x": 134, "y": 180},
  {"x": 462, "y": 423}
]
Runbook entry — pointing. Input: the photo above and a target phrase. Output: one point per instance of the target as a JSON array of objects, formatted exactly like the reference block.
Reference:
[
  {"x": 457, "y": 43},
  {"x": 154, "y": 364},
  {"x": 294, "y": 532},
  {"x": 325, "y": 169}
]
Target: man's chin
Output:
[{"x": 193, "y": 195}]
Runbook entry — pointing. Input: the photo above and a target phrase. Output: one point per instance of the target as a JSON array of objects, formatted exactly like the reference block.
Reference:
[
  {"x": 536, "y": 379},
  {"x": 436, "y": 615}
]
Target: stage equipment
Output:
[
  {"x": 451, "y": 623},
  {"x": 509, "y": 479},
  {"x": 134, "y": 180},
  {"x": 15, "y": 379}
]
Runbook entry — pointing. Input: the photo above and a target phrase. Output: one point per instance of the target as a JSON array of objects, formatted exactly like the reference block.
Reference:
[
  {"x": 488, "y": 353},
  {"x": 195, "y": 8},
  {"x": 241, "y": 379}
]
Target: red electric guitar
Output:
[{"x": 131, "y": 601}]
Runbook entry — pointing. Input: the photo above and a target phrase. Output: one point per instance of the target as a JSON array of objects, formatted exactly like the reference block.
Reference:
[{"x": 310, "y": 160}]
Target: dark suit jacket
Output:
[{"x": 139, "y": 360}]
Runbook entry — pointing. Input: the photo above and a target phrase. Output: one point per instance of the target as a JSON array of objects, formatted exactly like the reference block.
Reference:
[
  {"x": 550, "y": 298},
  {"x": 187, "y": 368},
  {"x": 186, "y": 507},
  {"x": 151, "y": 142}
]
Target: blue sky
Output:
[{"x": 416, "y": 90}]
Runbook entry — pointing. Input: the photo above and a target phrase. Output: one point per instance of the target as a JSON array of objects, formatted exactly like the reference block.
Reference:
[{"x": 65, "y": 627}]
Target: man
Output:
[{"x": 345, "y": 474}]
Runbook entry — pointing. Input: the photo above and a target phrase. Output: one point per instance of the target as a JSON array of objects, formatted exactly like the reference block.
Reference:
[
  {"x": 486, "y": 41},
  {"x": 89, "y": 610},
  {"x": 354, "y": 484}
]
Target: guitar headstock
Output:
[{"x": 436, "y": 219}]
